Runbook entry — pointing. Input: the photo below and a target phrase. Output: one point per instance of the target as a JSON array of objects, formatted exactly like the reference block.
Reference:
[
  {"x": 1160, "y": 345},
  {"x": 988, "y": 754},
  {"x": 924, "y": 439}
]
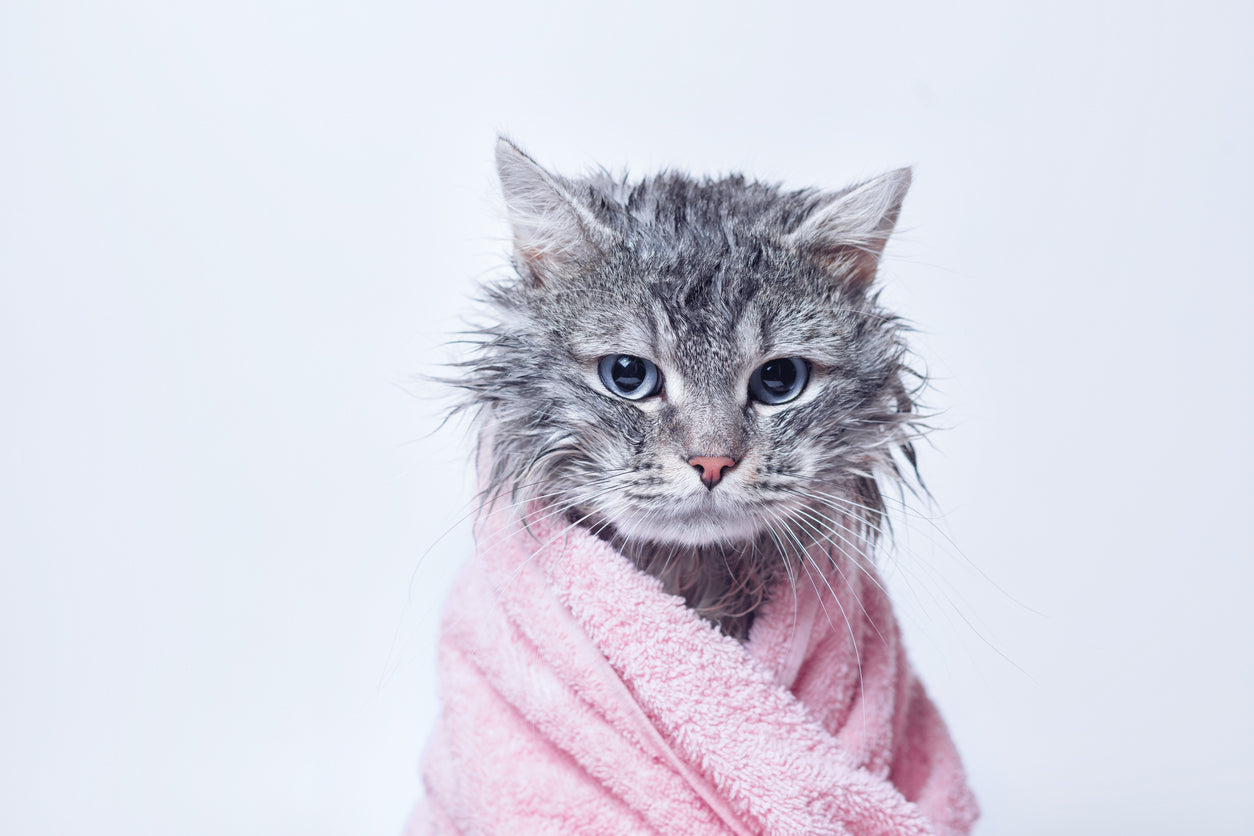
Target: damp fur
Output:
[{"x": 709, "y": 278}]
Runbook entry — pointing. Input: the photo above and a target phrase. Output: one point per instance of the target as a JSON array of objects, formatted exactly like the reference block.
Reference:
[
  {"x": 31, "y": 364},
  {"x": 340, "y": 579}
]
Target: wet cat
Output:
[{"x": 697, "y": 371}]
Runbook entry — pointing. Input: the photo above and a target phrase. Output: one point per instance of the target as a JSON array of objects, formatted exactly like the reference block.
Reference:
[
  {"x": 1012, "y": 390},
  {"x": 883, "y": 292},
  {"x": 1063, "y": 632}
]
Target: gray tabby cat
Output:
[{"x": 697, "y": 371}]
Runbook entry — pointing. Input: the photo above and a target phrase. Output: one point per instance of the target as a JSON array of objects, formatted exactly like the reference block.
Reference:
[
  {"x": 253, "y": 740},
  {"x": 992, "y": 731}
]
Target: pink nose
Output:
[{"x": 711, "y": 468}]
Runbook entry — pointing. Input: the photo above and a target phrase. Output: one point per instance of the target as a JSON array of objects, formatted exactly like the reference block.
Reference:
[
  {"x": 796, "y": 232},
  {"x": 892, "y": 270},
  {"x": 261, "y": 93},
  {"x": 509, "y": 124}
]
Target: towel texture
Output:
[{"x": 578, "y": 697}]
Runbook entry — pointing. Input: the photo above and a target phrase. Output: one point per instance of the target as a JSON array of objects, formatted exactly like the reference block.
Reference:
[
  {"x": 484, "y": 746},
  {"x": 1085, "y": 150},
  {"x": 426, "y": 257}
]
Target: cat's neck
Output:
[{"x": 725, "y": 583}]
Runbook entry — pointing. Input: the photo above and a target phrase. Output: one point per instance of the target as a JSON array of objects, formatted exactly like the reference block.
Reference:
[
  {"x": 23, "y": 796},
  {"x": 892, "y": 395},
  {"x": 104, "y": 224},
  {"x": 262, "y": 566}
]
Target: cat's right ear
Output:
[{"x": 553, "y": 232}]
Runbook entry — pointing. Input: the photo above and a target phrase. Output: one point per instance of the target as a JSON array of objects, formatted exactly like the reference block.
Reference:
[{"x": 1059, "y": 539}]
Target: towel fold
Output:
[{"x": 579, "y": 697}]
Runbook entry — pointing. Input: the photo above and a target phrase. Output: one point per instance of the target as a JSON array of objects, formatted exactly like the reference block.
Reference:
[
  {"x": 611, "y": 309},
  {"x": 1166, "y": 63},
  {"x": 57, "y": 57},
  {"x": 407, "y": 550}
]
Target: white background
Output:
[{"x": 231, "y": 234}]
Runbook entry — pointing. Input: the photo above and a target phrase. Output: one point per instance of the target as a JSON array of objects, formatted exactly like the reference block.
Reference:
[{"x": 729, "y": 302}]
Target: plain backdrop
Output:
[{"x": 232, "y": 235}]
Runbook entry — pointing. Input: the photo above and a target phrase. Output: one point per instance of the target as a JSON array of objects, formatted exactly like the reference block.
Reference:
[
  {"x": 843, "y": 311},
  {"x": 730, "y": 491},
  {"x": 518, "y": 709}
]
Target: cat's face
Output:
[{"x": 690, "y": 362}]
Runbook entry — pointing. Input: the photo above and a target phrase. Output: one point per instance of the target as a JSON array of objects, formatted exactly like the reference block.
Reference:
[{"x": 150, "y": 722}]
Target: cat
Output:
[{"x": 697, "y": 371}]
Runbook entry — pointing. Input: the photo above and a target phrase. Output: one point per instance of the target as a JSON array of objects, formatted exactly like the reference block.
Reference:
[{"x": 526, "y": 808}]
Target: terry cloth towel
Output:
[{"x": 579, "y": 697}]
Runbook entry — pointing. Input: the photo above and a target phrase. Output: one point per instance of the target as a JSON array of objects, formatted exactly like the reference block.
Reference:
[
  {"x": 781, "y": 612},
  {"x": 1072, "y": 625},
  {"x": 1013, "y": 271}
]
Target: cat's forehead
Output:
[{"x": 706, "y": 319}]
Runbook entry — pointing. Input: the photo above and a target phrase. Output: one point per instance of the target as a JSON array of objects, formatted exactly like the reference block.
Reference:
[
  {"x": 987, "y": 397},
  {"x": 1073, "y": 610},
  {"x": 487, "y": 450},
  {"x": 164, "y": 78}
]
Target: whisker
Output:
[
  {"x": 853, "y": 639},
  {"x": 914, "y": 513},
  {"x": 836, "y": 565}
]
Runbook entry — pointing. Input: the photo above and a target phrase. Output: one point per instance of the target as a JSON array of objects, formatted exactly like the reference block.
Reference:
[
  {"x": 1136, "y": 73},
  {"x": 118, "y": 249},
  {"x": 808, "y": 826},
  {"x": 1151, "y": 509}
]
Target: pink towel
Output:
[{"x": 579, "y": 697}]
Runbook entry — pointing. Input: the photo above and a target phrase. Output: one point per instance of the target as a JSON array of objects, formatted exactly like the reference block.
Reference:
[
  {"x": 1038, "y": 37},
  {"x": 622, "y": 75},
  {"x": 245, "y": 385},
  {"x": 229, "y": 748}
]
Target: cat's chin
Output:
[{"x": 694, "y": 529}]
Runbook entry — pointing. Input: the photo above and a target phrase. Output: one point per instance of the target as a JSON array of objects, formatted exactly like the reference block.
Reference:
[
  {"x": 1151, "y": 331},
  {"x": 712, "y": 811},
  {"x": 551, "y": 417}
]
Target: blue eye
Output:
[
  {"x": 779, "y": 381},
  {"x": 630, "y": 377}
]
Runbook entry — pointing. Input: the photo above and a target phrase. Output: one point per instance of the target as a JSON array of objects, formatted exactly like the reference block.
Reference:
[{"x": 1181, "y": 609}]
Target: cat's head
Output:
[{"x": 691, "y": 361}]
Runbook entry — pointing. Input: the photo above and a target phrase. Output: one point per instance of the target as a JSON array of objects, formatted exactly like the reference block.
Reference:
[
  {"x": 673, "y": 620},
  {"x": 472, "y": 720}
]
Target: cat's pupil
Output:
[
  {"x": 628, "y": 372},
  {"x": 779, "y": 376}
]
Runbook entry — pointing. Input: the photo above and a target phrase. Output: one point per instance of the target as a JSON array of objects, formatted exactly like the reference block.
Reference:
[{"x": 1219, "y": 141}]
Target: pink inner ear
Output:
[
  {"x": 853, "y": 267},
  {"x": 543, "y": 264}
]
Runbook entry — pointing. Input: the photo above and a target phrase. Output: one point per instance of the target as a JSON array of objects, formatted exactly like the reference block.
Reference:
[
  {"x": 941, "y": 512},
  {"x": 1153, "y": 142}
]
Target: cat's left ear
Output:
[{"x": 847, "y": 233}]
